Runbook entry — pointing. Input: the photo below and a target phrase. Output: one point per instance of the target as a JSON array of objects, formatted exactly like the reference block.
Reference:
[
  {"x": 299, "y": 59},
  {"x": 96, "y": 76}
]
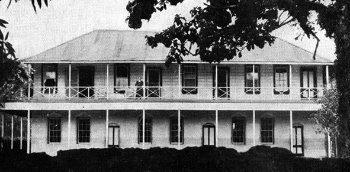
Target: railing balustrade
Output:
[{"x": 171, "y": 92}]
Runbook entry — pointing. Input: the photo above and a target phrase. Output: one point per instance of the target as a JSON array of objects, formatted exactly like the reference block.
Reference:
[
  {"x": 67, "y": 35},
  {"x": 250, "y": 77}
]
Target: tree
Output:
[
  {"x": 223, "y": 28},
  {"x": 14, "y": 75},
  {"x": 327, "y": 118}
]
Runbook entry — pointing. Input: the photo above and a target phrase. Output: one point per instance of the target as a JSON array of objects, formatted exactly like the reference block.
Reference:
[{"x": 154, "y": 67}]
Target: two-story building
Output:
[{"x": 108, "y": 88}]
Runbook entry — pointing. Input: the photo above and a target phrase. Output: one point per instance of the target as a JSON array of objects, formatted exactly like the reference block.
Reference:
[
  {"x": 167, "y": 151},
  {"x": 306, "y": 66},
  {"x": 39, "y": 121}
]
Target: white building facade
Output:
[{"x": 108, "y": 89}]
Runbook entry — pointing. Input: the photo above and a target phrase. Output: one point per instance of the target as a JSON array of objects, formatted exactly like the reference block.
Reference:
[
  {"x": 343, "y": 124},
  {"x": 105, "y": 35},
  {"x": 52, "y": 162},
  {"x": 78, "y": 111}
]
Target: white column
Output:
[
  {"x": 179, "y": 129},
  {"x": 28, "y": 131},
  {"x": 143, "y": 127},
  {"x": 11, "y": 131},
  {"x": 21, "y": 135},
  {"x": 253, "y": 79},
  {"x": 69, "y": 81},
  {"x": 290, "y": 81},
  {"x": 291, "y": 129},
  {"x": 216, "y": 81},
  {"x": 254, "y": 143},
  {"x": 327, "y": 77},
  {"x": 107, "y": 80},
  {"x": 107, "y": 119},
  {"x": 69, "y": 127},
  {"x": 144, "y": 80},
  {"x": 179, "y": 84},
  {"x": 216, "y": 127},
  {"x": 329, "y": 147},
  {"x": 28, "y": 90}
]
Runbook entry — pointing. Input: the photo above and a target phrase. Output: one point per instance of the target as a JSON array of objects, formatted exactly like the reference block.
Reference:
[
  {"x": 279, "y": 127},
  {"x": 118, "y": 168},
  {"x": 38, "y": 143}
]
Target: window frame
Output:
[
  {"x": 49, "y": 130},
  {"x": 243, "y": 130},
  {"x": 248, "y": 90},
  {"x": 78, "y": 131},
  {"x": 116, "y": 90},
  {"x": 182, "y": 131},
  {"x": 295, "y": 146},
  {"x": 267, "y": 130},
  {"x": 189, "y": 89},
  {"x": 274, "y": 80},
  {"x": 42, "y": 78},
  {"x": 139, "y": 130}
]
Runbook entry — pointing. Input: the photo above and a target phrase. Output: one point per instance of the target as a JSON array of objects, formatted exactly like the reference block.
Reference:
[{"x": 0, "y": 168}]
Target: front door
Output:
[
  {"x": 209, "y": 134},
  {"x": 308, "y": 83},
  {"x": 298, "y": 142},
  {"x": 113, "y": 136},
  {"x": 223, "y": 82},
  {"x": 153, "y": 82},
  {"x": 86, "y": 81}
]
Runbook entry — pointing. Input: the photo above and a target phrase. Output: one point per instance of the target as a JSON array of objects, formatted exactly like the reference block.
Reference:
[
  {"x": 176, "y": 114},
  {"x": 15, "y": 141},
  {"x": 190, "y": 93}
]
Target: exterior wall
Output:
[
  {"x": 170, "y": 79},
  {"x": 314, "y": 144}
]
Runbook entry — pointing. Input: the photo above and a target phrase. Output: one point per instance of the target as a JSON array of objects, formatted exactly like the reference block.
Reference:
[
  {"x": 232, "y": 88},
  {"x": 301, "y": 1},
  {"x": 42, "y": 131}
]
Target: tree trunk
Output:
[{"x": 342, "y": 66}]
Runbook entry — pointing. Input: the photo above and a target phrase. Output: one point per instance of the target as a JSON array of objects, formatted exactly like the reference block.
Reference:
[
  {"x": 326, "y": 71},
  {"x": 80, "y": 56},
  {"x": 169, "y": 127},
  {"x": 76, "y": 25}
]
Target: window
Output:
[
  {"x": 267, "y": 130},
  {"x": 281, "y": 80},
  {"x": 238, "y": 130},
  {"x": 298, "y": 140},
  {"x": 121, "y": 77},
  {"x": 54, "y": 130},
  {"x": 189, "y": 79},
  {"x": 252, "y": 76},
  {"x": 49, "y": 78},
  {"x": 148, "y": 130},
  {"x": 83, "y": 130},
  {"x": 174, "y": 130}
]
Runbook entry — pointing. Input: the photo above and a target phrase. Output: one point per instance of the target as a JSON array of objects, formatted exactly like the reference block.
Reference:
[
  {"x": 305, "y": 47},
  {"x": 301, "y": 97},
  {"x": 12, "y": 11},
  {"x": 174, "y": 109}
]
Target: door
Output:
[
  {"x": 209, "y": 134},
  {"x": 153, "y": 82},
  {"x": 113, "y": 135},
  {"x": 308, "y": 83},
  {"x": 298, "y": 142},
  {"x": 86, "y": 81},
  {"x": 223, "y": 82}
]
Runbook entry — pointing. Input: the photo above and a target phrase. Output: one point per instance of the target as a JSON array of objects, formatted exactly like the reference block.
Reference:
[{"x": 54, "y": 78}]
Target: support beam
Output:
[
  {"x": 21, "y": 135},
  {"x": 107, "y": 122},
  {"x": 329, "y": 147},
  {"x": 253, "y": 80},
  {"x": 143, "y": 127},
  {"x": 216, "y": 127},
  {"x": 327, "y": 77},
  {"x": 28, "y": 131},
  {"x": 291, "y": 129},
  {"x": 11, "y": 132},
  {"x": 254, "y": 143},
  {"x": 216, "y": 82},
  {"x": 2, "y": 129},
  {"x": 179, "y": 129},
  {"x": 179, "y": 76},
  {"x": 144, "y": 80},
  {"x": 107, "y": 81},
  {"x": 69, "y": 128},
  {"x": 69, "y": 81},
  {"x": 290, "y": 81}
]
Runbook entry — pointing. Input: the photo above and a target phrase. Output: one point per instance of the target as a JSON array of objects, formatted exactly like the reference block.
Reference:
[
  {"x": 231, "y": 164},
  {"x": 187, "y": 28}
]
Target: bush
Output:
[{"x": 256, "y": 159}]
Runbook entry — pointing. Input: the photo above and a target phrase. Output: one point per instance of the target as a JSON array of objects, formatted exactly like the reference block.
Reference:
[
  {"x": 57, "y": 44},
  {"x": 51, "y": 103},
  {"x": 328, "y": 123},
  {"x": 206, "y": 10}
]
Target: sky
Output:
[{"x": 34, "y": 32}]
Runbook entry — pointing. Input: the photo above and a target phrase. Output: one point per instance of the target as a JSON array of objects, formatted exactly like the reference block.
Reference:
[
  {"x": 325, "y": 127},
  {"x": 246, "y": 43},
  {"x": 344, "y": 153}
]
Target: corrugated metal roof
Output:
[{"x": 112, "y": 46}]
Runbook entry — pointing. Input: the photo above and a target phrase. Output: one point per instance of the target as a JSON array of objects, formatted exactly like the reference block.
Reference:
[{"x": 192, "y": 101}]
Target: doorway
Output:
[
  {"x": 153, "y": 82},
  {"x": 86, "y": 81},
  {"x": 298, "y": 142},
  {"x": 208, "y": 134},
  {"x": 223, "y": 82},
  {"x": 113, "y": 135},
  {"x": 308, "y": 83}
]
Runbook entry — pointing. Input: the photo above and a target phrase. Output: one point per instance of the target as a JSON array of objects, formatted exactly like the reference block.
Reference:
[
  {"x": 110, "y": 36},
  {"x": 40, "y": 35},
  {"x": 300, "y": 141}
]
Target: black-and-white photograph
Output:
[{"x": 175, "y": 85}]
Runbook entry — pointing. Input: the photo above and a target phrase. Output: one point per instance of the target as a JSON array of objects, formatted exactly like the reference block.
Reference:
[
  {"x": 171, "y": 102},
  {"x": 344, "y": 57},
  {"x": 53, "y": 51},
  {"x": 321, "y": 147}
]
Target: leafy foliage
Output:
[
  {"x": 223, "y": 29},
  {"x": 13, "y": 75},
  {"x": 327, "y": 117}
]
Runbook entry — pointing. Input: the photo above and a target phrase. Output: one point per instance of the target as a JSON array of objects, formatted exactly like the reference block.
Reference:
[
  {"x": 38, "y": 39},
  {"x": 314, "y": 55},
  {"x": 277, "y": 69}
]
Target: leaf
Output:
[
  {"x": 1, "y": 35},
  {"x": 7, "y": 35},
  {"x": 45, "y": 1},
  {"x": 39, "y": 3},
  {"x": 33, "y": 4}
]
